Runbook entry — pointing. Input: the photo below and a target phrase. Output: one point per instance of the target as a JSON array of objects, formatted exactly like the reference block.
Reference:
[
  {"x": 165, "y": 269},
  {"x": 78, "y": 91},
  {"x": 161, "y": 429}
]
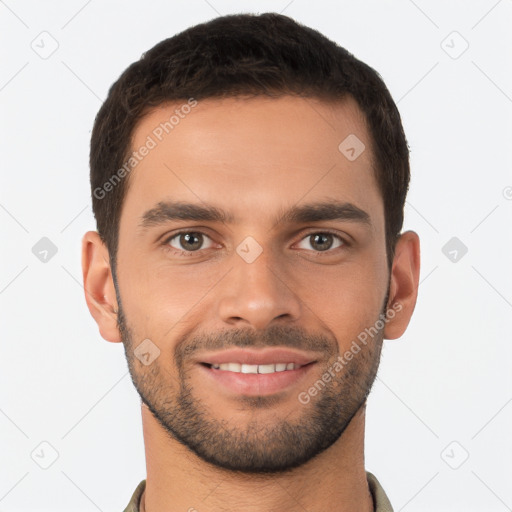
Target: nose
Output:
[{"x": 258, "y": 294}]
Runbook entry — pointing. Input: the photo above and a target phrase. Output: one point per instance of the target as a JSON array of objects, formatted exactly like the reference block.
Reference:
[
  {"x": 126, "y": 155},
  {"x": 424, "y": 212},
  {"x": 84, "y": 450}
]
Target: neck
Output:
[{"x": 178, "y": 480}]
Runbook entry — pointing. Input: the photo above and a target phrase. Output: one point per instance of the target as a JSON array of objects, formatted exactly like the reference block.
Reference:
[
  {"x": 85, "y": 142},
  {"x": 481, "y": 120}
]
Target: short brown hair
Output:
[{"x": 238, "y": 55}]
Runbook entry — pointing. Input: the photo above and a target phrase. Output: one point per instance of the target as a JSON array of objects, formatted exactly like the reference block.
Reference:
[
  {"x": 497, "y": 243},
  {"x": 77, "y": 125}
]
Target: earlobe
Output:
[
  {"x": 404, "y": 281},
  {"x": 99, "y": 287}
]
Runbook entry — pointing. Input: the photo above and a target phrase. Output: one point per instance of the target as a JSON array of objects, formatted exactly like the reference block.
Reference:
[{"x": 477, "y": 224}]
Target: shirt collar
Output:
[{"x": 380, "y": 500}]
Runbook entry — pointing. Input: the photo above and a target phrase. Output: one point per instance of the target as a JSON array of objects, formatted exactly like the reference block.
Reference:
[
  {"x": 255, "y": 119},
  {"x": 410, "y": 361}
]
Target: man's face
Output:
[{"x": 256, "y": 280}]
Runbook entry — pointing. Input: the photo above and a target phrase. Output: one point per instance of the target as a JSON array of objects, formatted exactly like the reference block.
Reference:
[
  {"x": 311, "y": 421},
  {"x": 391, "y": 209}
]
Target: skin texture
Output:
[{"x": 207, "y": 447}]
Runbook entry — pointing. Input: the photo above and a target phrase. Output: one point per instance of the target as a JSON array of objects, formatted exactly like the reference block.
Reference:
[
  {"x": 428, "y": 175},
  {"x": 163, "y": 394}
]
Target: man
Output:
[{"x": 248, "y": 179}]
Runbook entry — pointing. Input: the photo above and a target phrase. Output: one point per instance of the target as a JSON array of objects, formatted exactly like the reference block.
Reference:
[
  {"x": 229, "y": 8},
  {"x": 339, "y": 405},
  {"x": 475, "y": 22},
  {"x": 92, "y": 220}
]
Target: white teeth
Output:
[
  {"x": 248, "y": 368},
  {"x": 266, "y": 368},
  {"x": 255, "y": 368}
]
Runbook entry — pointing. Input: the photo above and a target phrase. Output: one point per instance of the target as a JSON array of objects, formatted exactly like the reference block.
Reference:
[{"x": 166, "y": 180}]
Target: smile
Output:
[
  {"x": 256, "y": 368},
  {"x": 254, "y": 379}
]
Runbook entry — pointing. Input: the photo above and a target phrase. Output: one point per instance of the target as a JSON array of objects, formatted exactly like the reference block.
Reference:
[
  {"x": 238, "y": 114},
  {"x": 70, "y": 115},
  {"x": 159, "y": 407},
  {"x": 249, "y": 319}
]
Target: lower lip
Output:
[{"x": 256, "y": 384}]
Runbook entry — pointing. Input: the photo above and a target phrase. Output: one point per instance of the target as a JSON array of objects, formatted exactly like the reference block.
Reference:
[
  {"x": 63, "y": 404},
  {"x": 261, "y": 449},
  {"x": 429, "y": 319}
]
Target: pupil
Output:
[
  {"x": 325, "y": 238},
  {"x": 190, "y": 236}
]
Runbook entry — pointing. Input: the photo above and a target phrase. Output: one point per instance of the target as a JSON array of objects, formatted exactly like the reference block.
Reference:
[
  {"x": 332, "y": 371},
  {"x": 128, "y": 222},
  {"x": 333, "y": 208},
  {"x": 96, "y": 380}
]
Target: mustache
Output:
[{"x": 275, "y": 336}]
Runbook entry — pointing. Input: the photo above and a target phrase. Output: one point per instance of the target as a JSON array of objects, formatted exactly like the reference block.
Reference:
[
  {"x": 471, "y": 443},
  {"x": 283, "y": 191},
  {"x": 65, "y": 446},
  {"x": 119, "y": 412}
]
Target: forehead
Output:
[{"x": 248, "y": 155}]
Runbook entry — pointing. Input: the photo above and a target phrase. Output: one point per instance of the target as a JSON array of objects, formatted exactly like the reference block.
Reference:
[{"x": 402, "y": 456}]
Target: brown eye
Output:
[
  {"x": 188, "y": 241},
  {"x": 322, "y": 242}
]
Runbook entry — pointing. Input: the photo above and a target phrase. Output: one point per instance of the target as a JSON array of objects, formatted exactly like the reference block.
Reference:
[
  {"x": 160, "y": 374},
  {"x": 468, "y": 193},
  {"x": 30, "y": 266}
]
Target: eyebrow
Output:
[{"x": 166, "y": 211}]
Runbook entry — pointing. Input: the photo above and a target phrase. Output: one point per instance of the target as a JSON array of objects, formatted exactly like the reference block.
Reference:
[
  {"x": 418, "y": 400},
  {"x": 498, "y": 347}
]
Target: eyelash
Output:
[{"x": 186, "y": 254}]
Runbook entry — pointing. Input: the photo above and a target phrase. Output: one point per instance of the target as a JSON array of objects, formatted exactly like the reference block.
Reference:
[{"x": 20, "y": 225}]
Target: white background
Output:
[{"x": 444, "y": 390}]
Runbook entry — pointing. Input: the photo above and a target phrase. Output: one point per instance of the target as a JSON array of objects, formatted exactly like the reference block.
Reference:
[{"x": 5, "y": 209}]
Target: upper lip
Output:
[{"x": 266, "y": 356}]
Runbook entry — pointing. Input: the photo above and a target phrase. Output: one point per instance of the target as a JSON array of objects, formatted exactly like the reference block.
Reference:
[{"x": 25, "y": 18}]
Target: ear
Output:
[
  {"x": 100, "y": 293},
  {"x": 404, "y": 281}
]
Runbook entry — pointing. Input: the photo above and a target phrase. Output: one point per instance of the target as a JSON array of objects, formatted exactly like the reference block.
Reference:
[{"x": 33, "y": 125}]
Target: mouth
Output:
[
  {"x": 255, "y": 368},
  {"x": 255, "y": 379}
]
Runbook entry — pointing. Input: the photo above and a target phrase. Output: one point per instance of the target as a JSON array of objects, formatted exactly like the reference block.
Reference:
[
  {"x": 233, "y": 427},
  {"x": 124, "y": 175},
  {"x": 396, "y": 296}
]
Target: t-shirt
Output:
[{"x": 380, "y": 500}]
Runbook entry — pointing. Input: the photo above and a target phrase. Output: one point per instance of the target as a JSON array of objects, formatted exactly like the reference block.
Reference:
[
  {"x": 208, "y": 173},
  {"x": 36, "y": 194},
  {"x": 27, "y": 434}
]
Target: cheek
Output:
[
  {"x": 157, "y": 295},
  {"x": 347, "y": 298}
]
